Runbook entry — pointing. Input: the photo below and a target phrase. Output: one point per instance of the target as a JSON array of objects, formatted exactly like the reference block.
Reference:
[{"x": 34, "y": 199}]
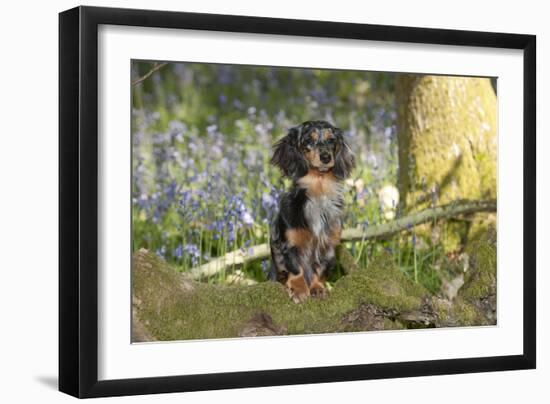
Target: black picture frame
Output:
[{"x": 78, "y": 201}]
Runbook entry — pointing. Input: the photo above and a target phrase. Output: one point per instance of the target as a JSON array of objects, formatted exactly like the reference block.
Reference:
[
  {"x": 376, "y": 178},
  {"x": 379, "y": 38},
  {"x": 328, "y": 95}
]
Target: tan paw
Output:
[
  {"x": 297, "y": 288},
  {"x": 298, "y": 295},
  {"x": 317, "y": 287},
  {"x": 318, "y": 291}
]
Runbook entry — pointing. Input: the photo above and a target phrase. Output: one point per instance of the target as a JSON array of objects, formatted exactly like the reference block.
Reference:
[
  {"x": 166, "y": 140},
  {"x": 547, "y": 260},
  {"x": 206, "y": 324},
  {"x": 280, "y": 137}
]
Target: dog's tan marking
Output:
[
  {"x": 335, "y": 234},
  {"x": 313, "y": 157},
  {"x": 315, "y": 135},
  {"x": 298, "y": 237},
  {"x": 318, "y": 184},
  {"x": 297, "y": 287},
  {"x": 327, "y": 134},
  {"x": 317, "y": 287}
]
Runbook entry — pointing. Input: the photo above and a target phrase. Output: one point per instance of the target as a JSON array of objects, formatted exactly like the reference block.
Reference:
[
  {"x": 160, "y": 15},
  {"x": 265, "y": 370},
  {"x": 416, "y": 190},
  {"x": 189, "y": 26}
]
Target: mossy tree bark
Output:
[
  {"x": 169, "y": 306},
  {"x": 447, "y": 142}
]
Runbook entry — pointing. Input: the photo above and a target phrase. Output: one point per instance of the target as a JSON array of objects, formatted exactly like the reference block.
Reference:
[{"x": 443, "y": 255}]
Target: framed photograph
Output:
[{"x": 251, "y": 201}]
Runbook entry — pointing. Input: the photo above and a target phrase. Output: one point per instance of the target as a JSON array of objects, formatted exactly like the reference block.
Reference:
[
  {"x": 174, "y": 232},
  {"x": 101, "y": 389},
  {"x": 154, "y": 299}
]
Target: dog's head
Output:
[{"x": 313, "y": 145}]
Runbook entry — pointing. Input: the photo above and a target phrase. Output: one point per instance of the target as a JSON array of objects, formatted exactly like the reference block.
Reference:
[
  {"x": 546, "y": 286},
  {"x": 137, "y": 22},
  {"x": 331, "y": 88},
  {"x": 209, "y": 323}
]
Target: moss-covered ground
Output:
[{"x": 170, "y": 307}]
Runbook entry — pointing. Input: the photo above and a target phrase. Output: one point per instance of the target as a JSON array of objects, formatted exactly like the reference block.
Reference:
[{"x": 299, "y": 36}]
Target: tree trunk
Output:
[{"x": 447, "y": 142}]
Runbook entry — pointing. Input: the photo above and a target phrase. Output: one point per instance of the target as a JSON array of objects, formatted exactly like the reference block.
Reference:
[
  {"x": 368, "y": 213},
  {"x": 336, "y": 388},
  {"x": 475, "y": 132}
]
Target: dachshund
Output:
[{"x": 308, "y": 226}]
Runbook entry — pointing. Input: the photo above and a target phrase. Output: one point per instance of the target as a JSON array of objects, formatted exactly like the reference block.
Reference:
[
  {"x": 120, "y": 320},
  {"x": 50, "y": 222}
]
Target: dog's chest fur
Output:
[{"x": 322, "y": 209}]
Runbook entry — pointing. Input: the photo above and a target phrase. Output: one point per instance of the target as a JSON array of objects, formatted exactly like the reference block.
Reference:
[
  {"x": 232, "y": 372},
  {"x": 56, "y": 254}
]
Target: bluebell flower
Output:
[
  {"x": 193, "y": 251},
  {"x": 237, "y": 103},
  {"x": 177, "y": 129},
  {"x": 161, "y": 251},
  {"x": 178, "y": 251},
  {"x": 269, "y": 203}
]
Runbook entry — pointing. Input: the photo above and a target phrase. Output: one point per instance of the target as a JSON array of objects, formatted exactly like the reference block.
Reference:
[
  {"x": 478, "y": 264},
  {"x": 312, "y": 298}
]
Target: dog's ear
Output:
[
  {"x": 344, "y": 160},
  {"x": 288, "y": 157}
]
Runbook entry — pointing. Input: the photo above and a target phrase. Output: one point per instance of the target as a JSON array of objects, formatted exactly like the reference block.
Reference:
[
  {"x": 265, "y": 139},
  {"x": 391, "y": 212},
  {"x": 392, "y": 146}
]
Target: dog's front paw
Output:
[
  {"x": 297, "y": 288},
  {"x": 298, "y": 295},
  {"x": 318, "y": 290}
]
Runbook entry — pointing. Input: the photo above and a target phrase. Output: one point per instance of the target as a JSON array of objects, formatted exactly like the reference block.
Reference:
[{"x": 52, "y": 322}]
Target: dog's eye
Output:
[{"x": 330, "y": 141}]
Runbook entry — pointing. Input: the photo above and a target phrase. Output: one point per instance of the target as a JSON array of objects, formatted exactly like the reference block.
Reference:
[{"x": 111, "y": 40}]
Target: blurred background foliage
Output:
[{"x": 202, "y": 137}]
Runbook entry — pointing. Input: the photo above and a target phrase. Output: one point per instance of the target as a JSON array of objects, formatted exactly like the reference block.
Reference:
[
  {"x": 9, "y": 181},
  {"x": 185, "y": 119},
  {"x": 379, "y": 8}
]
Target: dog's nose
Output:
[{"x": 325, "y": 157}]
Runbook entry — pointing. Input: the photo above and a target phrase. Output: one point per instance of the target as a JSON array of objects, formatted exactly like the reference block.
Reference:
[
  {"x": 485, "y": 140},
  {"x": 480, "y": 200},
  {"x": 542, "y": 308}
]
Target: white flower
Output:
[
  {"x": 247, "y": 219},
  {"x": 388, "y": 196}
]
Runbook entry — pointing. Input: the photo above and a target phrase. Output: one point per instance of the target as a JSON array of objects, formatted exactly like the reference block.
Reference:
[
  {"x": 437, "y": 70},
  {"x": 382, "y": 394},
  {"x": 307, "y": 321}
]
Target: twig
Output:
[
  {"x": 156, "y": 67},
  {"x": 378, "y": 232}
]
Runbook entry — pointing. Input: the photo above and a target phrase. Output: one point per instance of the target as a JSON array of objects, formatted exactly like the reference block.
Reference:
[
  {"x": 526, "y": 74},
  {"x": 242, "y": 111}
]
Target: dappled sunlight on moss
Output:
[{"x": 171, "y": 307}]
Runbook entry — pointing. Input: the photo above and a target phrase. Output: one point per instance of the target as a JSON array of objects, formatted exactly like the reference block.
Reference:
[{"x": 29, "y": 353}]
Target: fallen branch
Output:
[
  {"x": 380, "y": 231},
  {"x": 385, "y": 230},
  {"x": 156, "y": 67},
  {"x": 233, "y": 258}
]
